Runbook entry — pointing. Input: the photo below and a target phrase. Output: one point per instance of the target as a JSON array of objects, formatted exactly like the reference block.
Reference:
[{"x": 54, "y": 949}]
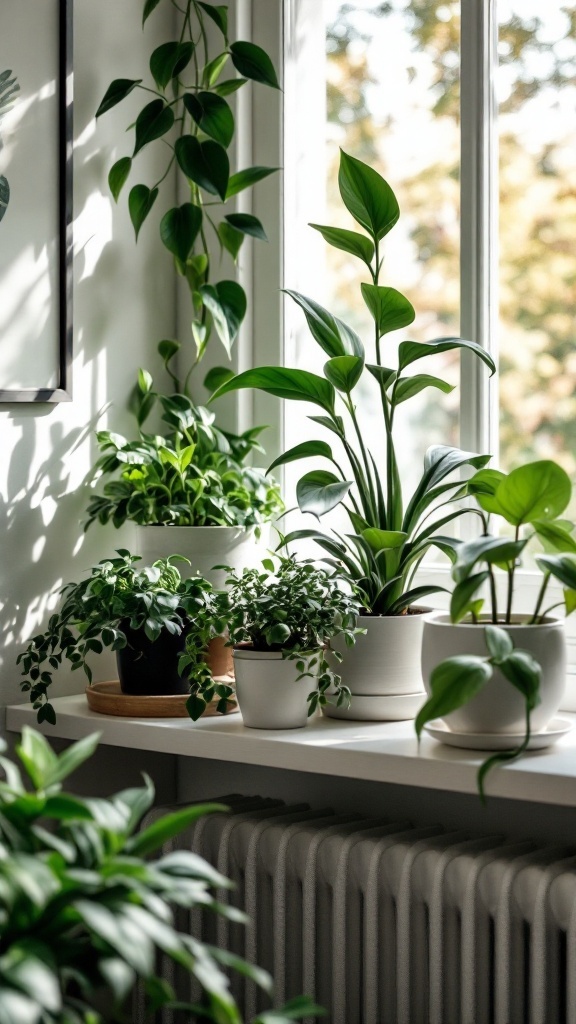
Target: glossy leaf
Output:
[
  {"x": 149, "y": 6},
  {"x": 231, "y": 85},
  {"x": 384, "y": 540},
  {"x": 390, "y": 309},
  {"x": 463, "y": 594},
  {"x": 305, "y": 450},
  {"x": 214, "y": 69},
  {"x": 152, "y": 122},
  {"x": 116, "y": 92},
  {"x": 320, "y": 491},
  {"x": 486, "y": 549},
  {"x": 367, "y": 196},
  {"x": 407, "y": 387},
  {"x": 217, "y": 376},
  {"x": 179, "y": 228},
  {"x": 562, "y": 567},
  {"x": 299, "y": 385},
  {"x": 383, "y": 374},
  {"x": 410, "y": 351},
  {"x": 348, "y": 241},
  {"x": 554, "y": 537},
  {"x": 253, "y": 62},
  {"x": 205, "y": 163},
  {"x": 246, "y": 178},
  {"x": 118, "y": 175},
  {"x": 335, "y": 425},
  {"x": 140, "y": 202},
  {"x": 169, "y": 60},
  {"x": 231, "y": 238},
  {"x": 247, "y": 224},
  {"x": 344, "y": 372},
  {"x": 498, "y": 642},
  {"x": 226, "y": 301},
  {"x": 453, "y": 683},
  {"x": 331, "y": 333},
  {"x": 218, "y": 13},
  {"x": 212, "y": 115},
  {"x": 167, "y": 349},
  {"x": 522, "y": 670},
  {"x": 538, "y": 490},
  {"x": 483, "y": 486}
]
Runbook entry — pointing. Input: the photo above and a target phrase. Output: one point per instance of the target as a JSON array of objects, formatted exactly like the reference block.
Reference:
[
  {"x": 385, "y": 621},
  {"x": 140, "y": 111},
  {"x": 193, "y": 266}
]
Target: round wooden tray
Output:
[{"x": 108, "y": 699}]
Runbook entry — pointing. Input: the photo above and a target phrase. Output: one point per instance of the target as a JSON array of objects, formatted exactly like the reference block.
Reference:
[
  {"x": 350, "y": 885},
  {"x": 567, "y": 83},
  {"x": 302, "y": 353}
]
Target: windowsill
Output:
[{"x": 379, "y": 752}]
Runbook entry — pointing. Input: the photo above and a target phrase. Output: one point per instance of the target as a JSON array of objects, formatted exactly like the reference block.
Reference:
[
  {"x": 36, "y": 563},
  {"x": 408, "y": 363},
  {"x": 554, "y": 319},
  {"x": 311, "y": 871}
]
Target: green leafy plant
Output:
[
  {"x": 195, "y": 475},
  {"x": 296, "y": 609},
  {"x": 530, "y": 499},
  {"x": 119, "y": 595},
  {"x": 455, "y": 681},
  {"x": 9, "y": 88},
  {"x": 389, "y": 537},
  {"x": 88, "y": 901}
]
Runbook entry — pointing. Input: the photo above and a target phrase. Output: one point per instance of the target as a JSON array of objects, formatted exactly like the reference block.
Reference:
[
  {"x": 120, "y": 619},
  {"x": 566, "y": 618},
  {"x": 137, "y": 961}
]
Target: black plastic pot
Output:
[{"x": 150, "y": 668}]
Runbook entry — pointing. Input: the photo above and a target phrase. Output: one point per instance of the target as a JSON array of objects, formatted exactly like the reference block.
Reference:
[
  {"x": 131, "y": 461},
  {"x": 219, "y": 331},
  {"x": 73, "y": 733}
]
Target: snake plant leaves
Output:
[
  {"x": 389, "y": 308},
  {"x": 149, "y": 6},
  {"x": 152, "y": 122},
  {"x": 140, "y": 202},
  {"x": 246, "y": 178},
  {"x": 169, "y": 60},
  {"x": 117, "y": 91},
  {"x": 212, "y": 115},
  {"x": 253, "y": 62},
  {"x": 179, "y": 228},
  {"x": 407, "y": 387},
  {"x": 538, "y": 490},
  {"x": 306, "y": 450},
  {"x": 205, "y": 163},
  {"x": 247, "y": 224},
  {"x": 562, "y": 567},
  {"x": 453, "y": 683},
  {"x": 4, "y": 195},
  {"x": 118, "y": 175},
  {"x": 230, "y": 238},
  {"x": 283, "y": 382},
  {"x": 331, "y": 333},
  {"x": 218, "y": 13},
  {"x": 320, "y": 491},
  {"x": 349, "y": 241},
  {"x": 410, "y": 351},
  {"x": 463, "y": 594},
  {"x": 226, "y": 301},
  {"x": 344, "y": 372},
  {"x": 367, "y": 196}
]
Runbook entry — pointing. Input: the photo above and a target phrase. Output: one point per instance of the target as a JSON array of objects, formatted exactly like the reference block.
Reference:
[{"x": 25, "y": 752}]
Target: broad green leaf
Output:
[
  {"x": 344, "y": 372},
  {"x": 179, "y": 228},
  {"x": 212, "y": 115},
  {"x": 383, "y": 374},
  {"x": 231, "y": 238},
  {"x": 453, "y": 683},
  {"x": 247, "y": 224},
  {"x": 213, "y": 70},
  {"x": 463, "y": 594},
  {"x": 332, "y": 334},
  {"x": 118, "y": 175},
  {"x": 73, "y": 757},
  {"x": 407, "y": 387},
  {"x": 253, "y": 62},
  {"x": 498, "y": 642},
  {"x": 149, "y": 6},
  {"x": 390, "y": 309},
  {"x": 218, "y": 13},
  {"x": 522, "y": 670},
  {"x": 169, "y": 60},
  {"x": 63, "y": 807},
  {"x": 382, "y": 540},
  {"x": 283, "y": 382},
  {"x": 140, "y": 202},
  {"x": 554, "y": 537},
  {"x": 37, "y": 756},
  {"x": 152, "y": 122},
  {"x": 226, "y": 301},
  {"x": 320, "y": 491},
  {"x": 217, "y": 376},
  {"x": 410, "y": 351},
  {"x": 349, "y": 241},
  {"x": 117, "y": 91},
  {"x": 486, "y": 549},
  {"x": 367, "y": 196},
  {"x": 160, "y": 831},
  {"x": 483, "y": 486},
  {"x": 538, "y": 490},
  {"x": 167, "y": 349},
  {"x": 306, "y": 450},
  {"x": 562, "y": 567},
  {"x": 205, "y": 163},
  {"x": 246, "y": 178}
]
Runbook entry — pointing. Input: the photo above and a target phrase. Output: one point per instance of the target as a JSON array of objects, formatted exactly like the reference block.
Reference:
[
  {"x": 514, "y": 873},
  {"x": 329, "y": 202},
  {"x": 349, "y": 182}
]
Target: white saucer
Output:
[
  {"x": 395, "y": 708},
  {"x": 555, "y": 729}
]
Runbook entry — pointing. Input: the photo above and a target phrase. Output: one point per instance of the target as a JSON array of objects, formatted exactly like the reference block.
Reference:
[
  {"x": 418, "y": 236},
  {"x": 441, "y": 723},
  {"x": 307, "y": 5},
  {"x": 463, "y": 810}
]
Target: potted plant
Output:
[
  {"x": 531, "y": 500},
  {"x": 88, "y": 902},
  {"x": 143, "y": 614},
  {"x": 390, "y": 535},
  {"x": 282, "y": 620},
  {"x": 193, "y": 476}
]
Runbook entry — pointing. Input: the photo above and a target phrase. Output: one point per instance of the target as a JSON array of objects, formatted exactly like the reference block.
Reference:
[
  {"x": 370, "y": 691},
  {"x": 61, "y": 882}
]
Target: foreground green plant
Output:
[
  {"x": 95, "y": 613},
  {"x": 389, "y": 537},
  {"x": 87, "y": 902},
  {"x": 294, "y": 608},
  {"x": 455, "y": 681}
]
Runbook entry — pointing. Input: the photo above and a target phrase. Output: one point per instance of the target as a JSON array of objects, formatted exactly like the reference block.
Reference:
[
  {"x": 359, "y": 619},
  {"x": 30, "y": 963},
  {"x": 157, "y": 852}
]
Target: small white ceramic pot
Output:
[
  {"x": 205, "y": 546},
  {"x": 499, "y": 707},
  {"x": 268, "y": 693}
]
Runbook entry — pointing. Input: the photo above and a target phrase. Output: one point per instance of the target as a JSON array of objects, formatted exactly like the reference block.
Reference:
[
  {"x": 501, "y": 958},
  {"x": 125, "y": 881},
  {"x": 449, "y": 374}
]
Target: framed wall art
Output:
[{"x": 35, "y": 200}]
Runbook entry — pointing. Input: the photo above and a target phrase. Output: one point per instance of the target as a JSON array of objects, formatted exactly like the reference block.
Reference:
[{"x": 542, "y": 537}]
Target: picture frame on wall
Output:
[{"x": 36, "y": 143}]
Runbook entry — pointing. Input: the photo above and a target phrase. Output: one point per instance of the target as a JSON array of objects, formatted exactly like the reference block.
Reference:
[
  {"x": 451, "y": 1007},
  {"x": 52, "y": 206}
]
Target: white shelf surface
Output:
[{"x": 379, "y": 752}]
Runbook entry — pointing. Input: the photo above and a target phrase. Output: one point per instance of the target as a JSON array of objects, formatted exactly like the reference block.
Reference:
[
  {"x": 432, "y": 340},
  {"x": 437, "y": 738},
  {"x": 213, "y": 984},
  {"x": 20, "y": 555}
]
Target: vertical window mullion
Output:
[{"x": 479, "y": 222}]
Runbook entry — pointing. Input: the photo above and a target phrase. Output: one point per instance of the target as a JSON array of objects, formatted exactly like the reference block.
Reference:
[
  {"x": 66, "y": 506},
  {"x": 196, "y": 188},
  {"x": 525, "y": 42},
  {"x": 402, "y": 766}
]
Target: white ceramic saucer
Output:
[
  {"x": 555, "y": 729},
  {"x": 395, "y": 708}
]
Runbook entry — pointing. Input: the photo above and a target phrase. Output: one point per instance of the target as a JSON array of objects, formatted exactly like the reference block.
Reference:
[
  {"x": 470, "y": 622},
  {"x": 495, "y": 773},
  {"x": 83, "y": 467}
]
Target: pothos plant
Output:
[
  {"x": 389, "y": 535},
  {"x": 294, "y": 608},
  {"x": 9, "y": 88}
]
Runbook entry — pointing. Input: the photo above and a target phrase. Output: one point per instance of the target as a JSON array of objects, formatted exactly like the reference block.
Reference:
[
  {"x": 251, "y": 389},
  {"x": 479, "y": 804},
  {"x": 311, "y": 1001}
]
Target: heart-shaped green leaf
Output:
[
  {"x": 253, "y": 62},
  {"x": 483, "y": 486},
  {"x": 389, "y": 308},
  {"x": 226, "y": 301},
  {"x": 212, "y": 115},
  {"x": 152, "y": 122},
  {"x": 538, "y": 490},
  {"x": 247, "y": 224},
  {"x": 217, "y": 376},
  {"x": 319, "y": 492},
  {"x": 140, "y": 202},
  {"x": 453, "y": 683},
  {"x": 344, "y": 372},
  {"x": 169, "y": 60},
  {"x": 179, "y": 228},
  {"x": 218, "y": 13},
  {"x": 118, "y": 175},
  {"x": 117, "y": 91},
  {"x": 205, "y": 163}
]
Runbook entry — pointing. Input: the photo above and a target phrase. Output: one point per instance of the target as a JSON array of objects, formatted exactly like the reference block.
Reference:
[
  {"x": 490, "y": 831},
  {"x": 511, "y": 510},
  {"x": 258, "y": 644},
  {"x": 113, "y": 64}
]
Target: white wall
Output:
[{"x": 123, "y": 304}]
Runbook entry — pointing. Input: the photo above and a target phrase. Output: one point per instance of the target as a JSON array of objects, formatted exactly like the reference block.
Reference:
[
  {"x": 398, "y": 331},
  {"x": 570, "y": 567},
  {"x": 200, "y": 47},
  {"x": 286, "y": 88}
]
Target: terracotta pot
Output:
[
  {"x": 219, "y": 657},
  {"x": 205, "y": 546},
  {"x": 267, "y": 690},
  {"x": 499, "y": 707},
  {"x": 150, "y": 668}
]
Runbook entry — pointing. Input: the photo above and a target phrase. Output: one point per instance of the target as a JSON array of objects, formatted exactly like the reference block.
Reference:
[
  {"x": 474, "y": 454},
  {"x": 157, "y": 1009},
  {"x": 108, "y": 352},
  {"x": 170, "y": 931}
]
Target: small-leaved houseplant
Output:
[
  {"x": 390, "y": 533},
  {"x": 143, "y": 614}
]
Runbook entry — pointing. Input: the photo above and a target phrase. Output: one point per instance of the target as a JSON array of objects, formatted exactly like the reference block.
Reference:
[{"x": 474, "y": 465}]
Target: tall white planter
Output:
[
  {"x": 267, "y": 690},
  {"x": 499, "y": 707},
  {"x": 205, "y": 546},
  {"x": 382, "y": 670}
]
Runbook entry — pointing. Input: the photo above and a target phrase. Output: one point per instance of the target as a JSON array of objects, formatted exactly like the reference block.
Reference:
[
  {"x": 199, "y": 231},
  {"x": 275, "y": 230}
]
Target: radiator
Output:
[{"x": 386, "y": 923}]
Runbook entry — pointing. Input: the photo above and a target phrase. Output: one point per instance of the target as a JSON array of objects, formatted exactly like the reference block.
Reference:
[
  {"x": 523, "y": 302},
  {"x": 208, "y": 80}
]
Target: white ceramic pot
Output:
[
  {"x": 499, "y": 707},
  {"x": 205, "y": 546},
  {"x": 268, "y": 694}
]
